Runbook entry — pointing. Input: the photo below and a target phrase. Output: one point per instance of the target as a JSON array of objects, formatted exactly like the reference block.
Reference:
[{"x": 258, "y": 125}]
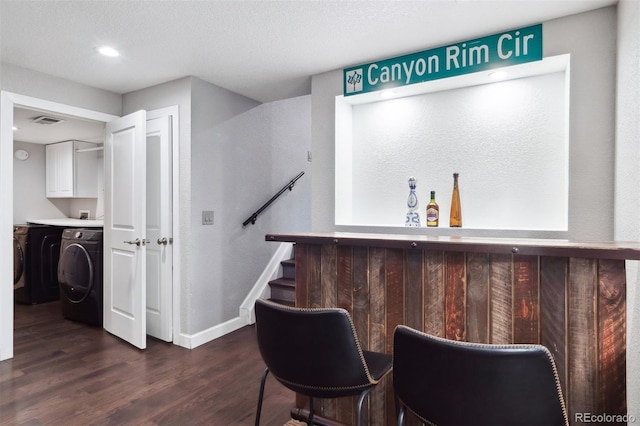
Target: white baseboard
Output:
[
  {"x": 191, "y": 341},
  {"x": 246, "y": 314},
  {"x": 261, "y": 287}
]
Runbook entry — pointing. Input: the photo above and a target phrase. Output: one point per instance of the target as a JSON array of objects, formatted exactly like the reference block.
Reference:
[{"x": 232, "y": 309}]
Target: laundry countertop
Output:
[{"x": 70, "y": 222}]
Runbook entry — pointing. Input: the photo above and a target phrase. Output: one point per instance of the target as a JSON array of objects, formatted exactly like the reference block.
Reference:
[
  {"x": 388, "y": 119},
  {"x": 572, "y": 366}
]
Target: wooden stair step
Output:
[
  {"x": 283, "y": 289},
  {"x": 289, "y": 268},
  {"x": 283, "y": 282}
]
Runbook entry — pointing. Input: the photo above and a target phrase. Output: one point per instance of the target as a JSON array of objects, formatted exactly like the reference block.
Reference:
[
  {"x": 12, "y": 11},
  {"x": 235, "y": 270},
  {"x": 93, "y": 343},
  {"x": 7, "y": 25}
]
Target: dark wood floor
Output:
[{"x": 67, "y": 373}]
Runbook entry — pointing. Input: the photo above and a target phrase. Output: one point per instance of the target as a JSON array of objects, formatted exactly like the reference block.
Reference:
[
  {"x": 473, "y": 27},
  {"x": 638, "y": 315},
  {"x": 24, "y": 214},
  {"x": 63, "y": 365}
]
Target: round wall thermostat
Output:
[{"x": 21, "y": 154}]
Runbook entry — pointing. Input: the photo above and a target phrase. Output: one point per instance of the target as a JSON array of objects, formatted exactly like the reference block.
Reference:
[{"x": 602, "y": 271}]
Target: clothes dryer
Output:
[
  {"x": 80, "y": 275},
  {"x": 36, "y": 249}
]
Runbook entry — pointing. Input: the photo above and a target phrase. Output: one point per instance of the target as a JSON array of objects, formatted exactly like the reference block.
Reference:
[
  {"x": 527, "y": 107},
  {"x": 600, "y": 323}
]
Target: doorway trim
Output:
[
  {"x": 173, "y": 112},
  {"x": 8, "y": 101}
]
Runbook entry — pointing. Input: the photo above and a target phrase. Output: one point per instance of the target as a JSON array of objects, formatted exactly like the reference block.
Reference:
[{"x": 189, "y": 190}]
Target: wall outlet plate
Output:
[{"x": 84, "y": 214}]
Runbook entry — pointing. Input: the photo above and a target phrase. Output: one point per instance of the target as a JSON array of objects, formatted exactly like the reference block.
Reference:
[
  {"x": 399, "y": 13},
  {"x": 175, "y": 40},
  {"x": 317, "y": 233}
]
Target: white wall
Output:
[
  {"x": 29, "y": 196},
  {"x": 234, "y": 155},
  {"x": 29, "y": 187},
  {"x": 43, "y": 86},
  {"x": 239, "y": 160},
  {"x": 212, "y": 106},
  {"x": 590, "y": 39},
  {"x": 627, "y": 194},
  {"x": 507, "y": 140}
]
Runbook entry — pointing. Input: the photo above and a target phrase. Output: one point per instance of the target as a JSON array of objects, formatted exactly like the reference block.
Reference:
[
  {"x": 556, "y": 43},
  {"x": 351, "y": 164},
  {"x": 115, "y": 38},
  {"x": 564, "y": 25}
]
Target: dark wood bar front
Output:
[{"x": 568, "y": 296}]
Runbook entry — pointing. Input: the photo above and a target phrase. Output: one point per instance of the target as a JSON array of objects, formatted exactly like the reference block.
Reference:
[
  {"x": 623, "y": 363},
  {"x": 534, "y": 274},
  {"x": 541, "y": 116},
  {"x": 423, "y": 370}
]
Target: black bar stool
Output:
[
  {"x": 445, "y": 382},
  {"x": 315, "y": 352}
]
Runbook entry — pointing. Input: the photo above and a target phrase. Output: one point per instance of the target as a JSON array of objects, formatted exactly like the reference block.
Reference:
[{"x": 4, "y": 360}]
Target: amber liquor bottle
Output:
[
  {"x": 455, "y": 217},
  {"x": 433, "y": 211}
]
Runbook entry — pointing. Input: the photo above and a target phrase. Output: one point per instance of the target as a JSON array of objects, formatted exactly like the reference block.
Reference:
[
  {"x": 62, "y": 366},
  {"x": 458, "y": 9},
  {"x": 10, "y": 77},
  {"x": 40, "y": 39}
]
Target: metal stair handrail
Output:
[{"x": 288, "y": 186}]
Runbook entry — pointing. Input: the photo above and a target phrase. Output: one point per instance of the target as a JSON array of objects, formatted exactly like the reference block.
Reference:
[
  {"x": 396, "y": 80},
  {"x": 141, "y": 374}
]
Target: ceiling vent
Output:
[{"x": 46, "y": 120}]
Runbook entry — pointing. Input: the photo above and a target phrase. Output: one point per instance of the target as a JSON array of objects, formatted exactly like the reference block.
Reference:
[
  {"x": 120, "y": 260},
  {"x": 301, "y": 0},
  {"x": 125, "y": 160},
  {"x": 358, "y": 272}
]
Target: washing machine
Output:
[
  {"x": 36, "y": 249},
  {"x": 80, "y": 275}
]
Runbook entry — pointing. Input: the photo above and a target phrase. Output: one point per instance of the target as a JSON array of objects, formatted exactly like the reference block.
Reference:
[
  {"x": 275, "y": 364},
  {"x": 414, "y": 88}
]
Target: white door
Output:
[
  {"x": 125, "y": 228},
  {"x": 159, "y": 229}
]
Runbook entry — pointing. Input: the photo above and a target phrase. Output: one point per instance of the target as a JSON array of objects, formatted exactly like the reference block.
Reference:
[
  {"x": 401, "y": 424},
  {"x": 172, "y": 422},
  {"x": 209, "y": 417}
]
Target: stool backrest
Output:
[
  {"x": 311, "y": 351},
  {"x": 446, "y": 382}
]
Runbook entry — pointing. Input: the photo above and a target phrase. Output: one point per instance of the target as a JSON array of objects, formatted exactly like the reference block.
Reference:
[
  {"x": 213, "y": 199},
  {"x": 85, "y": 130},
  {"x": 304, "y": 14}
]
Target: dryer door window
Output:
[
  {"x": 75, "y": 273},
  {"x": 18, "y": 263}
]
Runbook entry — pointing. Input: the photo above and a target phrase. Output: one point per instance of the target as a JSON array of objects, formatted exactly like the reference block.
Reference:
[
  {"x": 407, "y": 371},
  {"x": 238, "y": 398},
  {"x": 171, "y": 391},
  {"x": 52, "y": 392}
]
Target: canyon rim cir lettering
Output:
[{"x": 494, "y": 51}]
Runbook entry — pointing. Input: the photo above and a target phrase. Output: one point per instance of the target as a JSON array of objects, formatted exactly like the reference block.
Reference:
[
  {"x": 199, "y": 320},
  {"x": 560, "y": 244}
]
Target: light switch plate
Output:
[{"x": 207, "y": 217}]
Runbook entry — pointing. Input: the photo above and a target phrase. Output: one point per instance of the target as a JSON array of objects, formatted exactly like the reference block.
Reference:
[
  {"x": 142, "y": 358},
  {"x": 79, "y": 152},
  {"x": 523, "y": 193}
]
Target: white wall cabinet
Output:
[{"x": 71, "y": 174}]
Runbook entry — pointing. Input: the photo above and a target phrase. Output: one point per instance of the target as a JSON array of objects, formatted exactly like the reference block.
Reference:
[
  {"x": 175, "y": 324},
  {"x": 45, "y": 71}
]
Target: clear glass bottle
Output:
[
  {"x": 455, "y": 217},
  {"x": 413, "y": 217},
  {"x": 433, "y": 211}
]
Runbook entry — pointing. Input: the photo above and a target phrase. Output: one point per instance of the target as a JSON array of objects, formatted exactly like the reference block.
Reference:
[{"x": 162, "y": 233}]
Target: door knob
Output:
[
  {"x": 163, "y": 241},
  {"x": 136, "y": 242}
]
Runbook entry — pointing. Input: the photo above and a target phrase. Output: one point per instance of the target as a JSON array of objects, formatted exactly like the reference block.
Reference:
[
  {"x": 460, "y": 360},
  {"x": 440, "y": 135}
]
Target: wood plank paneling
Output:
[
  {"x": 361, "y": 310},
  {"x": 377, "y": 284},
  {"x": 553, "y": 315},
  {"x": 308, "y": 290},
  {"x": 344, "y": 278},
  {"x": 377, "y": 332},
  {"x": 583, "y": 282},
  {"x": 434, "y": 311},
  {"x": 329, "y": 298},
  {"x": 314, "y": 274},
  {"x": 574, "y": 306},
  {"x": 345, "y": 411},
  {"x": 455, "y": 296},
  {"x": 501, "y": 295},
  {"x": 525, "y": 300},
  {"x": 612, "y": 334},
  {"x": 328, "y": 276},
  {"x": 478, "y": 297},
  {"x": 394, "y": 281},
  {"x": 395, "y": 308},
  {"x": 303, "y": 261},
  {"x": 413, "y": 294},
  {"x": 361, "y": 305}
]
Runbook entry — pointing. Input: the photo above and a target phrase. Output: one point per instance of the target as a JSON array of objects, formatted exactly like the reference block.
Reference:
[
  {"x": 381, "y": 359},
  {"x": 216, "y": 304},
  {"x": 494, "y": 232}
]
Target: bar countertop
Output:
[
  {"x": 69, "y": 222},
  {"x": 518, "y": 246}
]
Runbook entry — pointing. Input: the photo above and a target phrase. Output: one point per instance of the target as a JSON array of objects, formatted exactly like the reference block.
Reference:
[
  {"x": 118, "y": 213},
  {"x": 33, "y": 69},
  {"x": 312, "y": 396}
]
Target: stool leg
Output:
[
  {"x": 359, "y": 406},
  {"x": 262, "y": 383},
  {"x": 401, "y": 416},
  {"x": 310, "y": 419}
]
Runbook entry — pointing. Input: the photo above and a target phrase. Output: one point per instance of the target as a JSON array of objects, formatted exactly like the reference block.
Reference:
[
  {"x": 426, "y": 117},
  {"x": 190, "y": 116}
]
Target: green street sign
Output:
[{"x": 494, "y": 51}]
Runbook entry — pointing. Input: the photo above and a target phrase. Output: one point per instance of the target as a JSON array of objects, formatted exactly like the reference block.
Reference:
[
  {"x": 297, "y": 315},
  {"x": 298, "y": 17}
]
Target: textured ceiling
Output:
[{"x": 265, "y": 50}]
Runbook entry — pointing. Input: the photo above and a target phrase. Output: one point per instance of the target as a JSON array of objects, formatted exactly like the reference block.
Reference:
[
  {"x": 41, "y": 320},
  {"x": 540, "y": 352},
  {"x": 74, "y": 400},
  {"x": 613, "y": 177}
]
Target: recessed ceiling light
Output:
[{"x": 108, "y": 51}]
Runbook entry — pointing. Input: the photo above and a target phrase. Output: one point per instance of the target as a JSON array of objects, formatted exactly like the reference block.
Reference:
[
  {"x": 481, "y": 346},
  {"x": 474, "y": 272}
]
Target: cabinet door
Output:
[
  {"x": 51, "y": 153},
  {"x": 71, "y": 173},
  {"x": 59, "y": 165},
  {"x": 65, "y": 165},
  {"x": 85, "y": 170}
]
